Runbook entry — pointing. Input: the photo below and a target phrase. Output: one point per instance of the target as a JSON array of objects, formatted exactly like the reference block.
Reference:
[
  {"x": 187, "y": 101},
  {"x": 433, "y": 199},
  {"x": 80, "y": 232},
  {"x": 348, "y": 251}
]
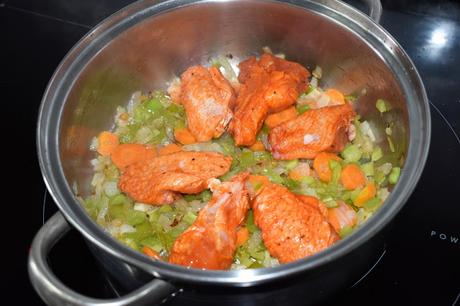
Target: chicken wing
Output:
[
  {"x": 210, "y": 242},
  {"x": 315, "y": 131},
  {"x": 159, "y": 180},
  {"x": 292, "y": 227},
  {"x": 268, "y": 85},
  {"x": 208, "y": 98}
]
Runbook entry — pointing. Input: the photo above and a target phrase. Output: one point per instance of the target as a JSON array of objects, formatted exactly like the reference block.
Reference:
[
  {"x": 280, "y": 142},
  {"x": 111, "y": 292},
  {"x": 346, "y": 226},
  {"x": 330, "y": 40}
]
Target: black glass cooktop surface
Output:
[{"x": 420, "y": 262}]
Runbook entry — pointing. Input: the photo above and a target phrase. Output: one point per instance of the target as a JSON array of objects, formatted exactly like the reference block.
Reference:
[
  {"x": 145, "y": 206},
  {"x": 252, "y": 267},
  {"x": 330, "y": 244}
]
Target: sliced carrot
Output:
[
  {"x": 341, "y": 216},
  {"x": 336, "y": 96},
  {"x": 150, "y": 252},
  {"x": 107, "y": 142},
  {"x": 300, "y": 171},
  {"x": 321, "y": 165},
  {"x": 184, "y": 136},
  {"x": 366, "y": 194},
  {"x": 168, "y": 149},
  {"x": 130, "y": 153},
  {"x": 352, "y": 177},
  {"x": 242, "y": 235},
  {"x": 280, "y": 117},
  {"x": 257, "y": 146}
]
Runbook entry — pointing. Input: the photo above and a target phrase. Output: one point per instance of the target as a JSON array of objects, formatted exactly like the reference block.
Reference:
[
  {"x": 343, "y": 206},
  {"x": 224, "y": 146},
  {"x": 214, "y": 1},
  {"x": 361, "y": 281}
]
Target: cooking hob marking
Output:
[
  {"x": 372, "y": 268},
  {"x": 447, "y": 122}
]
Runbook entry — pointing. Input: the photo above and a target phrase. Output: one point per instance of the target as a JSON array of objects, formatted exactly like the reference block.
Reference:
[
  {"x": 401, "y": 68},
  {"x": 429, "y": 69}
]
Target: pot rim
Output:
[{"x": 61, "y": 82}]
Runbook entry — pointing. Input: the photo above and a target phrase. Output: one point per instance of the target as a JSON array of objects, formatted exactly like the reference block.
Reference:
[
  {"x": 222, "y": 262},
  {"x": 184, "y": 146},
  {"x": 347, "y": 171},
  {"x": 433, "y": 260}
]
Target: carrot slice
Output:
[
  {"x": 242, "y": 235},
  {"x": 107, "y": 142},
  {"x": 280, "y": 117},
  {"x": 184, "y": 136},
  {"x": 341, "y": 216},
  {"x": 366, "y": 194},
  {"x": 130, "y": 153},
  {"x": 321, "y": 165},
  {"x": 168, "y": 149},
  {"x": 300, "y": 171},
  {"x": 352, "y": 177},
  {"x": 150, "y": 252},
  {"x": 336, "y": 96},
  {"x": 257, "y": 146}
]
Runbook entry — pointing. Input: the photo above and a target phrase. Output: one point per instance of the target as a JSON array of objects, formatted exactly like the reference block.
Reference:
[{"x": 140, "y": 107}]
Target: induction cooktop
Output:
[{"x": 420, "y": 261}]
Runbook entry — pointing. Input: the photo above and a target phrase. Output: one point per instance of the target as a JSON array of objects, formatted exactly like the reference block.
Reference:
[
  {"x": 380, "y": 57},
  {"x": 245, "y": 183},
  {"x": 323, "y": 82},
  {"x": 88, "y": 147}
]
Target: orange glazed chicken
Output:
[
  {"x": 160, "y": 179},
  {"x": 315, "y": 131},
  {"x": 210, "y": 242},
  {"x": 293, "y": 227},
  {"x": 268, "y": 85},
  {"x": 208, "y": 98}
]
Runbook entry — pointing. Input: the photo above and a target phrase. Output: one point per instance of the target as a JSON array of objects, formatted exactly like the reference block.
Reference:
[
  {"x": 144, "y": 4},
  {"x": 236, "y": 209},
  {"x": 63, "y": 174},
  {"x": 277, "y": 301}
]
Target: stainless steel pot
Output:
[{"x": 143, "y": 46}]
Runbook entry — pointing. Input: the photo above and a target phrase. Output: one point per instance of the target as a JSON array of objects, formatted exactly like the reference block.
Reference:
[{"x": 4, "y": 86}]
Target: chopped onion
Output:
[
  {"x": 144, "y": 135},
  {"x": 317, "y": 72},
  {"x": 281, "y": 55},
  {"x": 267, "y": 49},
  {"x": 126, "y": 228},
  {"x": 383, "y": 194},
  {"x": 94, "y": 145},
  {"x": 366, "y": 129},
  {"x": 314, "y": 82},
  {"x": 386, "y": 168},
  {"x": 111, "y": 189},
  {"x": 102, "y": 213},
  {"x": 143, "y": 207},
  {"x": 134, "y": 101},
  {"x": 323, "y": 101},
  {"x": 98, "y": 179}
]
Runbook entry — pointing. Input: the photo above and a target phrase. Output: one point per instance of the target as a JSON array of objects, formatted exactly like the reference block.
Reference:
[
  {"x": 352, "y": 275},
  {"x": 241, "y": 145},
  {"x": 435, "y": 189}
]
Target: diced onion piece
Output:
[
  {"x": 314, "y": 82},
  {"x": 323, "y": 101},
  {"x": 94, "y": 144},
  {"x": 383, "y": 193},
  {"x": 317, "y": 72},
  {"x": 126, "y": 228},
  {"x": 134, "y": 101},
  {"x": 143, "y": 207},
  {"x": 111, "y": 189},
  {"x": 386, "y": 168},
  {"x": 102, "y": 213},
  {"x": 366, "y": 129}
]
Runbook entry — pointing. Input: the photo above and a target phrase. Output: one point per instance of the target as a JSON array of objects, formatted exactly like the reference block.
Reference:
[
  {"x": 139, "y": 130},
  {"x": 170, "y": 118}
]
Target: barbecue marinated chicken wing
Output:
[
  {"x": 315, "y": 131},
  {"x": 208, "y": 98},
  {"x": 159, "y": 180},
  {"x": 268, "y": 85},
  {"x": 293, "y": 227},
  {"x": 210, "y": 242}
]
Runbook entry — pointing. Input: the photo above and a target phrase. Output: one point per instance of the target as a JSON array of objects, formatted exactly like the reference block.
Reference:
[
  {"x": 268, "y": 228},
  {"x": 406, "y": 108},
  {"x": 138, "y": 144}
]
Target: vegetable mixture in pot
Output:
[{"x": 235, "y": 171}]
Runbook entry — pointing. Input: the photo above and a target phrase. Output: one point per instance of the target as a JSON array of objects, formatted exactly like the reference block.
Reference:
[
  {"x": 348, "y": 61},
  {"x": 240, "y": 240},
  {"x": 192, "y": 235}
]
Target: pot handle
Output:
[
  {"x": 55, "y": 293},
  {"x": 375, "y": 9}
]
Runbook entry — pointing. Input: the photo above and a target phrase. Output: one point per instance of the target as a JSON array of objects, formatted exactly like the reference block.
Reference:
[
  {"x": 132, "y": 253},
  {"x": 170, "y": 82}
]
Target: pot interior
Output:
[{"x": 145, "y": 45}]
